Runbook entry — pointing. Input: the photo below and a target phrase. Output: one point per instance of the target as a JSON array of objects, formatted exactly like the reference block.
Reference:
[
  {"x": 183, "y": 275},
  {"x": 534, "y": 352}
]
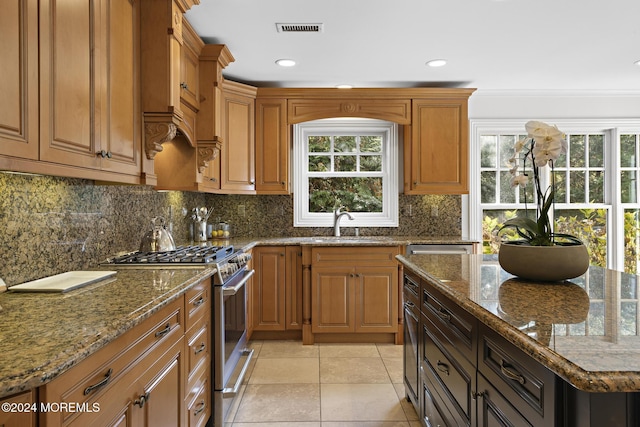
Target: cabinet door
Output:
[
  {"x": 332, "y": 299},
  {"x": 238, "y": 162},
  {"x": 21, "y": 418},
  {"x": 161, "y": 390},
  {"x": 190, "y": 68},
  {"x": 121, "y": 132},
  {"x": 436, "y": 158},
  {"x": 293, "y": 288},
  {"x": 19, "y": 82},
  {"x": 272, "y": 147},
  {"x": 376, "y": 303},
  {"x": 69, "y": 83},
  {"x": 269, "y": 288}
]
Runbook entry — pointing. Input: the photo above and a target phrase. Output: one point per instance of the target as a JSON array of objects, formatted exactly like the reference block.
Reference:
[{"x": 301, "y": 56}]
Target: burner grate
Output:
[{"x": 181, "y": 255}]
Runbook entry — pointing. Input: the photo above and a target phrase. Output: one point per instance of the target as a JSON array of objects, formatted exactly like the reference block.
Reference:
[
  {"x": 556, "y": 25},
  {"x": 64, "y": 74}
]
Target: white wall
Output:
[{"x": 531, "y": 105}]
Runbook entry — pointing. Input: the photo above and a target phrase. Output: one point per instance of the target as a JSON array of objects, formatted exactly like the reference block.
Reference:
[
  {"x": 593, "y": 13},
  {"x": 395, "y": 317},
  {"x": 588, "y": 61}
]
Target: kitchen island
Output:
[{"x": 493, "y": 348}]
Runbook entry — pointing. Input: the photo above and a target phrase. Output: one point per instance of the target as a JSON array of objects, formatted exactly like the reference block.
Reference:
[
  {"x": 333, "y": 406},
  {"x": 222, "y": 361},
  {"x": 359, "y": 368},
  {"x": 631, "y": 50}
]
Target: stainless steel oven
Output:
[{"x": 231, "y": 357}]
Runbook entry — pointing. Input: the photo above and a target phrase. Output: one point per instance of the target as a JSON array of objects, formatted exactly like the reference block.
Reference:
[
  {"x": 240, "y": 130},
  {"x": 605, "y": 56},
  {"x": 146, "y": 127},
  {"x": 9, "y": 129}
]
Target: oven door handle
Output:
[
  {"x": 232, "y": 391},
  {"x": 230, "y": 291}
]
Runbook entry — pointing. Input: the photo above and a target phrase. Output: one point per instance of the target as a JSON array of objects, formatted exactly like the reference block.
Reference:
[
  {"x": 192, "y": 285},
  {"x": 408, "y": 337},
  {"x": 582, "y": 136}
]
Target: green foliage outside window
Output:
[
  {"x": 589, "y": 225},
  {"x": 352, "y": 155}
]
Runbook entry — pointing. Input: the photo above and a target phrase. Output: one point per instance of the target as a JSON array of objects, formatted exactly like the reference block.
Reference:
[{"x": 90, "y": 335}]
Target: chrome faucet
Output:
[{"x": 337, "y": 215}]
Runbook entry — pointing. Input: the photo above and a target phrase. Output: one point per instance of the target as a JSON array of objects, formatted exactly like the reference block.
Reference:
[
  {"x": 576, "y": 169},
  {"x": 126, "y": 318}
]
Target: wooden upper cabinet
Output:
[
  {"x": 19, "y": 82},
  {"x": 437, "y": 147},
  {"x": 272, "y": 147},
  {"x": 189, "y": 67},
  {"x": 89, "y": 90},
  {"x": 238, "y": 148}
]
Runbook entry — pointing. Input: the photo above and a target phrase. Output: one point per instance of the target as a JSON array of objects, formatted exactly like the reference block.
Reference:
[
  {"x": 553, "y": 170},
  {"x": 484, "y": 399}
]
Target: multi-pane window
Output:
[
  {"x": 629, "y": 185},
  {"x": 346, "y": 163}
]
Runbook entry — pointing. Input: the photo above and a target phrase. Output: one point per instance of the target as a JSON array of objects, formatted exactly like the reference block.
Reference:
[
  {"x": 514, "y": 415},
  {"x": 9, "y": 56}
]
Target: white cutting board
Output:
[{"x": 63, "y": 282}]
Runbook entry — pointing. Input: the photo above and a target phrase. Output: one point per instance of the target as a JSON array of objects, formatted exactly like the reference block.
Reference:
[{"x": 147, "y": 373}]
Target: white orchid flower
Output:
[{"x": 519, "y": 180}]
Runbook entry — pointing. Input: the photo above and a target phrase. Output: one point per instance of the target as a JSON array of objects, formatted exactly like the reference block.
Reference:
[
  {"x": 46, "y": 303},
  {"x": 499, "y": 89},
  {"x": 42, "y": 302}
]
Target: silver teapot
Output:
[{"x": 158, "y": 239}]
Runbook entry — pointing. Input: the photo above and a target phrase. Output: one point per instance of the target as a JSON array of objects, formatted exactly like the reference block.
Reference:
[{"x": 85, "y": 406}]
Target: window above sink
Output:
[{"x": 349, "y": 163}]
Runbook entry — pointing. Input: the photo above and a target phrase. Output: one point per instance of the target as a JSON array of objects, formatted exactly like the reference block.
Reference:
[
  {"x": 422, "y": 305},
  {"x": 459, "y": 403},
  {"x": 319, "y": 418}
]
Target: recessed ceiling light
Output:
[
  {"x": 637, "y": 62},
  {"x": 286, "y": 62},
  {"x": 437, "y": 62},
  {"x": 344, "y": 86}
]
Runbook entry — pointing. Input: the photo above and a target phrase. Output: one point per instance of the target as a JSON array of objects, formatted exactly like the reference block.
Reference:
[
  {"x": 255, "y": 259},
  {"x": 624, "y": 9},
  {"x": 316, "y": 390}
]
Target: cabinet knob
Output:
[
  {"x": 252, "y": 182},
  {"x": 104, "y": 154},
  {"x": 140, "y": 401},
  {"x": 183, "y": 85}
]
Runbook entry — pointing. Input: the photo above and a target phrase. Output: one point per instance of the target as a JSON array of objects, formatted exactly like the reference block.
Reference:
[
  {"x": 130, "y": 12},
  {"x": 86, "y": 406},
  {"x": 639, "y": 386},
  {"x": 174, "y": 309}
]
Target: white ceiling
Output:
[{"x": 503, "y": 45}]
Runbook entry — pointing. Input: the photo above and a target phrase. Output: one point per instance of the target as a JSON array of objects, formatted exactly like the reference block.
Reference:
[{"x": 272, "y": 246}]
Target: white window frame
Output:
[
  {"x": 390, "y": 171},
  {"x": 612, "y": 128}
]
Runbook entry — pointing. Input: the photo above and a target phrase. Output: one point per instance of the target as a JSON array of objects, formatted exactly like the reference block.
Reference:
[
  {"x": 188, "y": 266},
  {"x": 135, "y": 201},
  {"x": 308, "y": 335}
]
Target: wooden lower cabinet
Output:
[
  {"x": 277, "y": 288},
  {"x": 157, "y": 374},
  {"x": 348, "y": 299},
  {"x": 14, "y": 415},
  {"x": 354, "y": 290}
]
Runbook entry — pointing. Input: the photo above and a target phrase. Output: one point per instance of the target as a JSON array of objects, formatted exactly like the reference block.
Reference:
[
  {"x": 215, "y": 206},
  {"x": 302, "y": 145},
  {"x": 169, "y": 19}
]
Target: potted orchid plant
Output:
[{"x": 541, "y": 147}]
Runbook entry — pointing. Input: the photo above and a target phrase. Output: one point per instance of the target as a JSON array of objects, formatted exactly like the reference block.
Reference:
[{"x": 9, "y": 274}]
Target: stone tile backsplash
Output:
[{"x": 49, "y": 225}]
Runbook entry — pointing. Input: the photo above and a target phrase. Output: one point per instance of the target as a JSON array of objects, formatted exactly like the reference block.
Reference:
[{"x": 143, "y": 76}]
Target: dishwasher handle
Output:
[{"x": 459, "y": 251}]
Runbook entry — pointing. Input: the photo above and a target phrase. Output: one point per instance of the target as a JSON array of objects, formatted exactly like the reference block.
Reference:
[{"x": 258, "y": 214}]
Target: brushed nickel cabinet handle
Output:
[
  {"x": 164, "y": 331},
  {"x": 443, "y": 367},
  {"x": 102, "y": 383},
  {"x": 511, "y": 373},
  {"x": 200, "y": 349},
  {"x": 443, "y": 314},
  {"x": 200, "y": 408}
]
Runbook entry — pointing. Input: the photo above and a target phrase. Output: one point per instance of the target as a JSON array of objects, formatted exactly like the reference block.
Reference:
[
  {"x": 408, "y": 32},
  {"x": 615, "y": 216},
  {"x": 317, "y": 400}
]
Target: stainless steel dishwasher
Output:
[{"x": 439, "y": 249}]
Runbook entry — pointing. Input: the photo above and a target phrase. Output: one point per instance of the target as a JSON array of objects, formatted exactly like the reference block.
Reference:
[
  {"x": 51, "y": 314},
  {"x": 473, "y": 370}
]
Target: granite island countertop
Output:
[
  {"x": 585, "y": 330},
  {"x": 44, "y": 334}
]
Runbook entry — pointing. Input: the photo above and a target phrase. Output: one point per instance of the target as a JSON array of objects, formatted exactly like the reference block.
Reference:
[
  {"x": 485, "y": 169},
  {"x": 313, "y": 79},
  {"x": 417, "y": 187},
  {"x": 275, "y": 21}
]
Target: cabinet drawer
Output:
[
  {"x": 523, "y": 381},
  {"x": 495, "y": 410},
  {"x": 450, "y": 371},
  {"x": 351, "y": 256},
  {"x": 458, "y": 326},
  {"x": 198, "y": 346},
  {"x": 91, "y": 378},
  {"x": 198, "y": 400},
  {"x": 434, "y": 412},
  {"x": 197, "y": 303},
  {"x": 411, "y": 289}
]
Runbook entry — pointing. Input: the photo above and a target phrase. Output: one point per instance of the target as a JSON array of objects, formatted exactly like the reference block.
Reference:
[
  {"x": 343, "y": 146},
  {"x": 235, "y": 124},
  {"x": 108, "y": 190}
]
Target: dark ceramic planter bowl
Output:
[{"x": 544, "y": 263}]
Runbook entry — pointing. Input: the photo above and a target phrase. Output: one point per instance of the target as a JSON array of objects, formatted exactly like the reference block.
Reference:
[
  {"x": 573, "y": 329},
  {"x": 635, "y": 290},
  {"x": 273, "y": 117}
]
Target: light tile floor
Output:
[{"x": 324, "y": 385}]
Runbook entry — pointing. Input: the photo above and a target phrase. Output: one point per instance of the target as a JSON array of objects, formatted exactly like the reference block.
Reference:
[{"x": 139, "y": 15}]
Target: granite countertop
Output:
[
  {"x": 585, "y": 330},
  {"x": 249, "y": 242},
  {"x": 44, "y": 334}
]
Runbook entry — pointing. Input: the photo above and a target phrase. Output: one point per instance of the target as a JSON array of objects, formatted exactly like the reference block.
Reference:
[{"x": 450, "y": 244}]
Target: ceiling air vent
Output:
[{"x": 299, "y": 28}]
